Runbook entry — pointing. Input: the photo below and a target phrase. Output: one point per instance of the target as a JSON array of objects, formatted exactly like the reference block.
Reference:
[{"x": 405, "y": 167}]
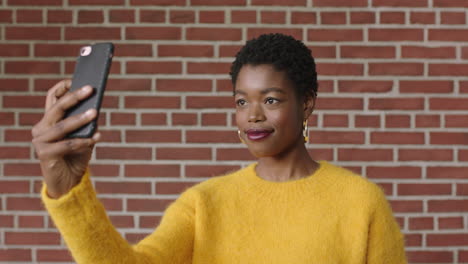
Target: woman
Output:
[{"x": 286, "y": 208}]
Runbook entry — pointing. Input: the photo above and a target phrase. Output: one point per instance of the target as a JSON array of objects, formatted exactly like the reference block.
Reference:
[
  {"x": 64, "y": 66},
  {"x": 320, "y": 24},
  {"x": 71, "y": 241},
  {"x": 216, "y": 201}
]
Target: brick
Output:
[
  {"x": 448, "y": 35},
  {"x": 153, "y": 33},
  {"x": 32, "y": 238},
  {"x": 158, "y": 2},
  {"x": 463, "y": 256},
  {"x": 90, "y": 16},
  {"x": 430, "y": 256},
  {"x": 18, "y": 135},
  {"x": 422, "y": 17},
  {"x": 183, "y": 153},
  {"x": 214, "y": 119},
  {"x": 104, "y": 170},
  {"x": 335, "y": 35},
  {"x": 396, "y": 103},
  {"x": 55, "y": 255},
  {"x": 153, "y": 119},
  {"x": 6, "y": 16},
  {"x": 367, "y": 121},
  {"x": 355, "y": 154},
  {"x": 448, "y": 138},
  {"x": 24, "y": 204},
  {"x": 208, "y": 67},
  {"x": 300, "y": 17},
  {"x": 6, "y": 221},
  {"x": 152, "y": 102},
  {"x": 448, "y": 69},
  {"x": 92, "y": 33},
  {"x": 32, "y": 33},
  {"x": 123, "y": 119},
  {"x": 184, "y": 119},
  {"x": 450, "y": 3},
  {"x": 279, "y": 2},
  {"x": 224, "y": 86},
  {"x": 112, "y": 204},
  {"x": 421, "y": 223},
  {"x": 340, "y": 69},
  {"x": 122, "y": 16},
  {"x": 424, "y": 189},
  {"x": 21, "y": 169},
  {"x": 340, "y": 3},
  {"x": 234, "y": 154},
  {"x": 133, "y": 50},
  {"x": 148, "y": 205},
  {"x": 59, "y": 16},
  {"x": 333, "y": 18},
  {"x": 362, "y": 17},
  {"x": 256, "y": 32},
  {"x": 425, "y": 155},
  {"x": 228, "y": 50},
  {"x": 243, "y": 16},
  {"x": 428, "y": 52},
  {"x": 450, "y": 222},
  {"x": 211, "y": 16},
  {"x": 204, "y": 33},
  {"x": 185, "y": 51},
  {"x": 413, "y": 240},
  {"x": 122, "y": 221},
  {"x": 218, "y": 2},
  {"x": 427, "y": 121},
  {"x": 124, "y": 153},
  {"x": 335, "y": 120},
  {"x": 323, "y": 52},
  {"x": 400, "y": 3},
  {"x": 399, "y": 172},
  {"x": 392, "y": 17},
  {"x": 452, "y": 18},
  {"x": 181, "y": 16},
  {"x": 7, "y": 118},
  {"x": 209, "y": 170},
  {"x": 9, "y": 254},
  {"x": 336, "y": 137},
  {"x": 447, "y": 240},
  {"x": 153, "y": 136},
  {"x": 407, "y": 206},
  {"x": 149, "y": 221},
  {"x": 210, "y": 102},
  {"x": 396, "y": 68},
  {"x": 273, "y": 17},
  {"x": 367, "y": 52},
  {"x": 14, "y": 153},
  {"x": 333, "y": 103},
  {"x": 394, "y": 121},
  {"x": 172, "y": 187},
  {"x": 154, "y": 67},
  {"x": 395, "y": 34},
  {"x": 211, "y": 136},
  {"x": 439, "y": 206},
  {"x": 32, "y": 67},
  {"x": 96, "y": 2},
  {"x": 116, "y": 84},
  {"x": 31, "y": 221},
  {"x": 462, "y": 189},
  {"x": 456, "y": 120},
  {"x": 56, "y": 50},
  {"x": 448, "y": 103},
  {"x": 13, "y": 186},
  {"x": 123, "y": 187},
  {"x": 35, "y": 2},
  {"x": 153, "y": 16},
  {"x": 29, "y": 16},
  {"x": 152, "y": 170},
  {"x": 432, "y": 86},
  {"x": 397, "y": 138}
]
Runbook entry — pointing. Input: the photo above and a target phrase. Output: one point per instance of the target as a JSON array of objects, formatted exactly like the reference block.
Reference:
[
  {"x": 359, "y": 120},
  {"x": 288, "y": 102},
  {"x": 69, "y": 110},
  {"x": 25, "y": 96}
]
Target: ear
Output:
[{"x": 309, "y": 106}]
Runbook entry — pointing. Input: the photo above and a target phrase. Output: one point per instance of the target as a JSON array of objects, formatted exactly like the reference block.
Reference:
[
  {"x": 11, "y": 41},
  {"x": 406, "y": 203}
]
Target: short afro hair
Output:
[{"x": 285, "y": 54}]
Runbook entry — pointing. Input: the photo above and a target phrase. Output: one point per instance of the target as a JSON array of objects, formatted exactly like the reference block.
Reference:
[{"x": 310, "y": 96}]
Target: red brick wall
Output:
[{"x": 392, "y": 105}]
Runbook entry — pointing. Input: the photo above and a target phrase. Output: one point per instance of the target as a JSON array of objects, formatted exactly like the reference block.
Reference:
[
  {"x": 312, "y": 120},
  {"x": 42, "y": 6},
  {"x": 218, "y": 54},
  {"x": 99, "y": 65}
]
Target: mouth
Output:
[{"x": 258, "y": 134}]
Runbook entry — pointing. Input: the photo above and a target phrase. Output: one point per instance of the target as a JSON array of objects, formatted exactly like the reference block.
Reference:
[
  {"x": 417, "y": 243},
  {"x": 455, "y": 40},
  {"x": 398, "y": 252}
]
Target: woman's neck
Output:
[{"x": 293, "y": 165}]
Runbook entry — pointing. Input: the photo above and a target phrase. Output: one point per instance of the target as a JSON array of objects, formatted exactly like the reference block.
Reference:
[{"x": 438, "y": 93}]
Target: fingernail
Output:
[
  {"x": 86, "y": 89},
  {"x": 89, "y": 112}
]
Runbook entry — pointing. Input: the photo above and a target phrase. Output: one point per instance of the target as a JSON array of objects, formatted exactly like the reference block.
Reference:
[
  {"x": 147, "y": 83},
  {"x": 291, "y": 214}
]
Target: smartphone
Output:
[{"x": 92, "y": 68}]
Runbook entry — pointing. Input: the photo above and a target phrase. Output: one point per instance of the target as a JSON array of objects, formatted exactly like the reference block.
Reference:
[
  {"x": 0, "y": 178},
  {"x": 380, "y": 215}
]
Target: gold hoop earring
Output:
[
  {"x": 239, "y": 134},
  {"x": 305, "y": 131}
]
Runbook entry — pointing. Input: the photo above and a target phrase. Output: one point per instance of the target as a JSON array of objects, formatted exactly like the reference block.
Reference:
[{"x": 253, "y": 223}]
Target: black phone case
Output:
[{"x": 91, "y": 70}]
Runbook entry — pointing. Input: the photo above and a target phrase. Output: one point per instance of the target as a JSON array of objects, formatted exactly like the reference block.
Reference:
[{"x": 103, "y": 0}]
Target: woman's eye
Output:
[{"x": 241, "y": 102}]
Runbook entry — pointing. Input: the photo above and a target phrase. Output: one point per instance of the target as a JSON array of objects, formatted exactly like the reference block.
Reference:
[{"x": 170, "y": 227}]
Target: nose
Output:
[{"x": 256, "y": 113}]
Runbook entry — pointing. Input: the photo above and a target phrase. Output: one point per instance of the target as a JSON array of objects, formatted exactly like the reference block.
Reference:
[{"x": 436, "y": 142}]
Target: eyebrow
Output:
[{"x": 264, "y": 91}]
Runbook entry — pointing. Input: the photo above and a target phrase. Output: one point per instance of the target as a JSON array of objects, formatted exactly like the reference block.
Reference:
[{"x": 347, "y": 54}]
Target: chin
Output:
[{"x": 260, "y": 152}]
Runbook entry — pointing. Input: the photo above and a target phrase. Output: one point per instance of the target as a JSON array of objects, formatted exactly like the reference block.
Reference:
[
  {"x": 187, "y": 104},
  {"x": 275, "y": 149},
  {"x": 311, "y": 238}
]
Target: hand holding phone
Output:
[{"x": 92, "y": 68}]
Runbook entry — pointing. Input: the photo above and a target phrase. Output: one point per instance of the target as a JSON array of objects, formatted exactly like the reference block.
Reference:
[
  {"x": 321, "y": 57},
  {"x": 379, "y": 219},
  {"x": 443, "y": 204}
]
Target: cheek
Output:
[{"x": 286, "y": 121}]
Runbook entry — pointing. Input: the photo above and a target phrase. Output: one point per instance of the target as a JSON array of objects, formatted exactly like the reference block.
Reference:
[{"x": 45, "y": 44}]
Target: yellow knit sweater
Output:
[{"x": 332, "y": 216}]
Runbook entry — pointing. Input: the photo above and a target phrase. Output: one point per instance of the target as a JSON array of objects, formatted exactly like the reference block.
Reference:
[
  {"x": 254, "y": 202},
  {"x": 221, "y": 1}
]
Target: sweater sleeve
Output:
[
  {"x": 386, "y": 242},
  {"x": 91, "y": 237}
]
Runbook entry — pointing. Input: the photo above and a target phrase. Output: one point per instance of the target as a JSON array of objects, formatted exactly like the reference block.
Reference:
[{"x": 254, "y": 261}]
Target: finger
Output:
[
  {"x": 57, "y": 111},
  {"x": 62, "y": 128},
  {"x": 59, "y": 149},
  {"x": 57, "y": 91}
]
